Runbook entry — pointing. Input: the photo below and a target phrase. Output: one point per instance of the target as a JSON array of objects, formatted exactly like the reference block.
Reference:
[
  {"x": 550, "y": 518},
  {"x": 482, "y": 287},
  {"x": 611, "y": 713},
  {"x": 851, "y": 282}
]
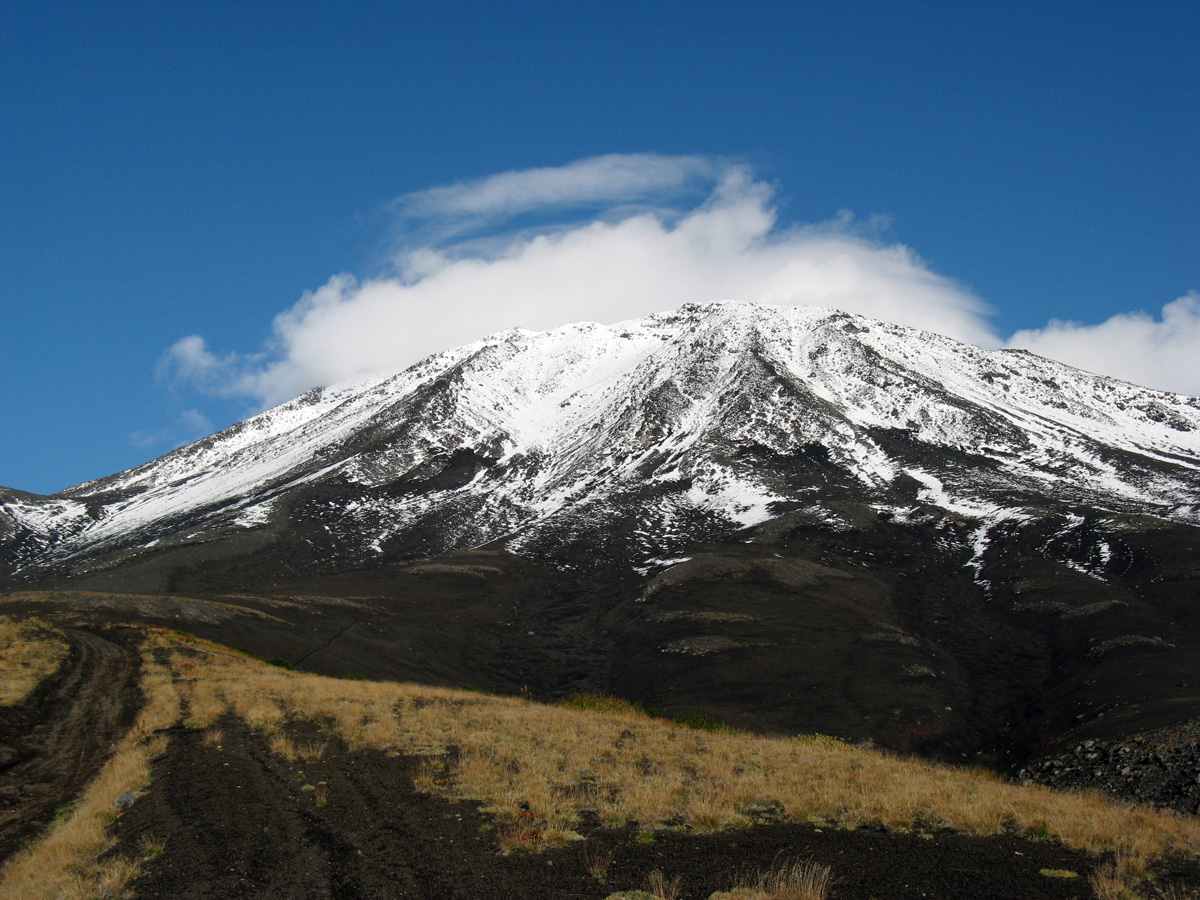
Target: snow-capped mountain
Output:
[
  {"x": 793, "y": 519},
  {"x": 637, "y": 439}
]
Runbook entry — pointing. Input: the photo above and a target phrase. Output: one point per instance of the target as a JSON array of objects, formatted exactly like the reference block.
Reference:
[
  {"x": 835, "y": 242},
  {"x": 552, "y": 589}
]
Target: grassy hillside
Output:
[{"x": 540, "y": 771}]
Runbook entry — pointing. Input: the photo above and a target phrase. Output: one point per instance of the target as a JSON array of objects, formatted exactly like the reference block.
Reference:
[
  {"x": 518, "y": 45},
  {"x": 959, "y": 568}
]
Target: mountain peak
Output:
[{"x": 662, "y": 430}]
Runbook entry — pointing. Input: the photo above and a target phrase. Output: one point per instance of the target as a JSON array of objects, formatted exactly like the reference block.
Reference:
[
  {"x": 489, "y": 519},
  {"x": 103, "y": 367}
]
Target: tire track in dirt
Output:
[
  {"x": 239, "y": 822},
  {"x": 55, "y": 743}
]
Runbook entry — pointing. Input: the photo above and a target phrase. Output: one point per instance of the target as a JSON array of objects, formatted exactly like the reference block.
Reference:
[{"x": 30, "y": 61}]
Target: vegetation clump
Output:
[
  {"x": 701, "y": 722},
  {"x": 29, "y": 651},
  {"x": 788, "y": 880},
  {"x": 608, "y": 705}
]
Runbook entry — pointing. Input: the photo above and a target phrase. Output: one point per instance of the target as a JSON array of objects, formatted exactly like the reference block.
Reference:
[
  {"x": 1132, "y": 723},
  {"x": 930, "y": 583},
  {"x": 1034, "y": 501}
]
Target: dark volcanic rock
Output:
[{"x": 1160, "y": 767}]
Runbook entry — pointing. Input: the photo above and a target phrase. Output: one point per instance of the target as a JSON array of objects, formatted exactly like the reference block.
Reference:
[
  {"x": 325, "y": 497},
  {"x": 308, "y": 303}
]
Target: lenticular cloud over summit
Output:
[{"x": 641, "y": 248}]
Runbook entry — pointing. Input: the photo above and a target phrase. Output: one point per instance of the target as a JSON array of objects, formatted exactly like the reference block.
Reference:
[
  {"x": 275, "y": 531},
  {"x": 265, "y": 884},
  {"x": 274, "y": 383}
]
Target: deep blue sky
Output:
[{"x": 192, "y": 168}]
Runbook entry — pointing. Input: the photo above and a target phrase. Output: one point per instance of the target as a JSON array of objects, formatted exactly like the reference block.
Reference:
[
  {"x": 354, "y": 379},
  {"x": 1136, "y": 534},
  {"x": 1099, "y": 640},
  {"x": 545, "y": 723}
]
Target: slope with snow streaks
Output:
[{"x": 664, "y": 428}]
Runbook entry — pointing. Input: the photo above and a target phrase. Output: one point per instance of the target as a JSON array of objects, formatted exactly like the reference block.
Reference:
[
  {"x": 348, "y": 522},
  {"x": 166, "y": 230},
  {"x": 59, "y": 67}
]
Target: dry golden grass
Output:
[
  {"x": 558, "y": 761},
  {"x": 537, "y": 767},
  {"x": 662, "y": 888},
  {"x": 1176, "y": 892},
  {"x": 284, "y": 747},
  {"x": 792, "y": 880},
  {"x": 1116, "y": 878},
  {"x": 65, "y": 863},
  {"x": 29, "y": 651},
  {"x": 312, "y": 751},
  {"x": 597, "y": 862}
]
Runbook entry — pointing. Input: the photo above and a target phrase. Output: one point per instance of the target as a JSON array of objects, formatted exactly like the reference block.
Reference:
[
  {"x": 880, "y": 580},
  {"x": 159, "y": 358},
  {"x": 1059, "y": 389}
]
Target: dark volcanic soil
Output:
[
  {"x": 240, "y": 822},
  {"x": 871, "y": 629},
  {"x": 56, "y": 741}
]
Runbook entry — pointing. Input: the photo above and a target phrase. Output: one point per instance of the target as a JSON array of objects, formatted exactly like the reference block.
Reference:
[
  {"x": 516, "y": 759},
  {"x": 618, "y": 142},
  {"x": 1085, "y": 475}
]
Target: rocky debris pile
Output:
[{"x": 1160, "y": 767}]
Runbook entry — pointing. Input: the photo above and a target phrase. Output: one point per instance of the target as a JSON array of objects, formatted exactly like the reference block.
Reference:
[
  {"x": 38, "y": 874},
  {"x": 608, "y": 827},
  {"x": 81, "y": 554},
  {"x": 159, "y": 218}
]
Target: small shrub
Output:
[
  {"x": 279, "y": 662},
  {"x": 484, "y": 692},
  {"x": 604, "y": 703},
  {"x": 701, "y": 722}
]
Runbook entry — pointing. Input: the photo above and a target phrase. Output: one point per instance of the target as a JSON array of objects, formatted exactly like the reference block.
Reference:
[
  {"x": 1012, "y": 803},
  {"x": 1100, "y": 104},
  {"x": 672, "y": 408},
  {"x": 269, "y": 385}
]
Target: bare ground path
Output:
[
  {"x": 56, "y": 741},
  {"x": 239, "y": 822}
]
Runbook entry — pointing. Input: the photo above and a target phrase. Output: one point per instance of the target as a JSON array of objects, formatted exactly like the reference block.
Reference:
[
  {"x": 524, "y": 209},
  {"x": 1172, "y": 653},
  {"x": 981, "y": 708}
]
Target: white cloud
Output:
[
  {"x": 727, "y": 247},
  {"x": 190, "y": 360},
  {"x": 623, "y": 262},
  {"x": 607, "y": 180},
  {"x": 1163, "y": 353}
]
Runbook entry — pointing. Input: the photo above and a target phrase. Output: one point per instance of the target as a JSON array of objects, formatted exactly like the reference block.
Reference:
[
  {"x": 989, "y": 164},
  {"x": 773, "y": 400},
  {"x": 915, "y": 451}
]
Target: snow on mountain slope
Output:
[{"x": 708, "y": 417}]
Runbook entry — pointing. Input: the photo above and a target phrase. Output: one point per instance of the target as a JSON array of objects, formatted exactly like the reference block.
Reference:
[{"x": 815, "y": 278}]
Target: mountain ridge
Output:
[
  {"x": 793, "y": 520},
  {"x": 552, "y": 425}
]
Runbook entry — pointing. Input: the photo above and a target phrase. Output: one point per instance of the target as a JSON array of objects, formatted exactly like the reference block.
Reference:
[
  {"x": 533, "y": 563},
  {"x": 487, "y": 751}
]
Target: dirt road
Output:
[
  {"x": 55, "y": 742},
  {"x": 241, "y": 823}
]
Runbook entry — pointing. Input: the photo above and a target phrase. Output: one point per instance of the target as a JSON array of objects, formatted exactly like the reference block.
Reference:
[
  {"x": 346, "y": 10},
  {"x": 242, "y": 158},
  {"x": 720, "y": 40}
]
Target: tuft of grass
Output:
[
  {"x": 534, "y": 837},
  {"x": 1118, "y": 878},
  {"x": 151, "y": 848},
  {"x": 431, "y": 776},
  {"x": 321, "y": 794},
  {"x": 662, "y": 888},
  {"x": 597, "y": 861},
  {"x": 1058, "y": 873},
  {"x": 312, "y": 751},
  {"x": 283, "y": 745},
  {"x": 279, "y": 662},
  {"x": 798, "y": 879},
  {"x": 214, "y": 737},
  {"x": 1107, "y": 886}
]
